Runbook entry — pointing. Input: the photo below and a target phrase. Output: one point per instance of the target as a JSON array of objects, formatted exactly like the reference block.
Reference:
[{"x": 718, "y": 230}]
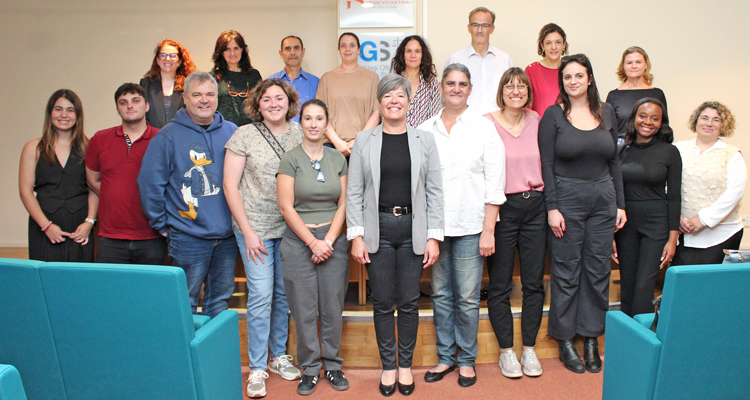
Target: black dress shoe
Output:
[
  {"x": 430, "y": 377},
  {"x": 569, "y": 357},
  {"x": 466, "y": 381},
  {"x": 405, "y": 389},
  {"x": 591, "y": 355},
  {"x": 387, "y": 390}
]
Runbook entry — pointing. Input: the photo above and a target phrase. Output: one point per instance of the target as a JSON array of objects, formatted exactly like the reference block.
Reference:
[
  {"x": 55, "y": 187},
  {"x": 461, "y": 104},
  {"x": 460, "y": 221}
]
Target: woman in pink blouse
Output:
[
  {"x": 413, "y": 61},
  {"x": 552, "y": 45},
  {"x": 522, "y": 225}
]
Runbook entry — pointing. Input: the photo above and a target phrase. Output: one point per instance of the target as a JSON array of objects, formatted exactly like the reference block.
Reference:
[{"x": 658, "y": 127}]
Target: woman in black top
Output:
[
  {"x": 649, "y": 239},
  {"x": 164, "y": 82},
  {"x": 585, "y": 204},
  {"x": 235, "y": 76},
  {"x": 394, "y": 218},
  {"x": 63, "y": 212},
  {"x": 636, "y": 79}
]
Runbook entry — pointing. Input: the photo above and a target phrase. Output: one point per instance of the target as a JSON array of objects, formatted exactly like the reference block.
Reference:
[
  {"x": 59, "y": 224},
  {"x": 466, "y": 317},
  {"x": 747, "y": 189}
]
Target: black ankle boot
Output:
[
  {"x": 591, "y": 355},
  {"x": 569, "y": 356}
]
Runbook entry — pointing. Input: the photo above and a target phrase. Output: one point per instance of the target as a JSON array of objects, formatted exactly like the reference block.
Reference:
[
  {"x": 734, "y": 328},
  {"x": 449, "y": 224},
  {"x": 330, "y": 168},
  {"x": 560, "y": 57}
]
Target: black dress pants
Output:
[
  {"x": 522, "y": 226},
  {"x": 710, "y": 255},
  {"x": 640, "y": 244},
  {"x": 395, "y": 272},
  {"x": 580, "y": 271}
]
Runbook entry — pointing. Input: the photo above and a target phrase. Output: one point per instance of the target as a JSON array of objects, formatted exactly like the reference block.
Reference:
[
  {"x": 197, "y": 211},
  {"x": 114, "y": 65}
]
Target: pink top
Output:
[
  {"x": 523, "y": 165},
  {"x": 543, "y": 85}
]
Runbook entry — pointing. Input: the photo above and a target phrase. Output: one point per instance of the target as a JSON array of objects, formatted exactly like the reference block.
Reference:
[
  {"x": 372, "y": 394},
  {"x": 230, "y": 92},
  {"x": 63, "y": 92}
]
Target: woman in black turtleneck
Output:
[{"x": 648, "y": 241}]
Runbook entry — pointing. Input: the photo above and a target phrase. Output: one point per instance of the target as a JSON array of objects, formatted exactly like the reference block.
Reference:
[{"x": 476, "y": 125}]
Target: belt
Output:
[
  {"x": 396, "y": 211},
  {"x": 526, "y": 195}
]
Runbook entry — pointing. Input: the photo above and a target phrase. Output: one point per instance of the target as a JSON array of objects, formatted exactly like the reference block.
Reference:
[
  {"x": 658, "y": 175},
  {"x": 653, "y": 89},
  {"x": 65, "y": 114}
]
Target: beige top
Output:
[{"x": 351, "y": 99}]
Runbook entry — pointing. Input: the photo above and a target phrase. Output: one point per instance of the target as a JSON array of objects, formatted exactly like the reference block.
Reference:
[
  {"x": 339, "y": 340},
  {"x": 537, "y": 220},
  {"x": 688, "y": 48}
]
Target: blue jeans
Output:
[
  {"x": 267, "y": 306},
  {"x": 456, "y": 281},
  {"x": 209, "y": 261}
]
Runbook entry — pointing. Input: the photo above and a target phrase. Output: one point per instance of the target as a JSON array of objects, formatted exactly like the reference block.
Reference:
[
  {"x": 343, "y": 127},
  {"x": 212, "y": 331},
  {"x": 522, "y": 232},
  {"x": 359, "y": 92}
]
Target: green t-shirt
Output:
[{"x": 315, "y": 202}]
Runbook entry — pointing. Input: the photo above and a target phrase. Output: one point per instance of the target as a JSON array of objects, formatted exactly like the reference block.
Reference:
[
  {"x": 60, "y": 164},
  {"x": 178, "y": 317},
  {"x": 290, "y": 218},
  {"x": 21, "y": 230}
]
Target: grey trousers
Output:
[
  {"x": 316, "y": 290},
  {"x": 580, "y": 270}
]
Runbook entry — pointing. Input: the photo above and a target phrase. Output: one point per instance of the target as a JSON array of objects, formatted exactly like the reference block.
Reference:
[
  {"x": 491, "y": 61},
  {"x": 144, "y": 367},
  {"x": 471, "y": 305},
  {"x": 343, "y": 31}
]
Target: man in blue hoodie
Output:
[{"x": 180, "y": 186}]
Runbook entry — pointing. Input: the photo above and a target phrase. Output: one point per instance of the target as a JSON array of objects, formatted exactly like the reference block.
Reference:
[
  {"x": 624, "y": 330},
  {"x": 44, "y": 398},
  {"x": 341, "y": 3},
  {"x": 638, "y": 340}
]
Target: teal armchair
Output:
[
  {"x": 699, "y": 350},
  {"x": 11, "y": 387},
  {"x": 105, "y": 331}
]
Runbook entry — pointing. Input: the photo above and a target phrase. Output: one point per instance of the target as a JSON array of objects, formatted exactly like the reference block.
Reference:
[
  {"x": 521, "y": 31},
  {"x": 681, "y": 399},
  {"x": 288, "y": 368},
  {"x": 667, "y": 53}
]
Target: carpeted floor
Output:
[{"x": 556, "y": 383}]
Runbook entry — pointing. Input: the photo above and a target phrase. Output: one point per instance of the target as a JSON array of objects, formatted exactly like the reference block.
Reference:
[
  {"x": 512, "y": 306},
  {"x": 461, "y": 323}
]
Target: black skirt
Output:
[{"x": 40, "y": 247}]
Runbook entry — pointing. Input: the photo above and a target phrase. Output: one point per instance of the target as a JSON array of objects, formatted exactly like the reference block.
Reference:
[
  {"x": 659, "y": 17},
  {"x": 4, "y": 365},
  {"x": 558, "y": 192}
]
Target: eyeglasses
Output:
[
  {"x": 235, "y": 94},
  {"x": 316, "y": 166},
  {"x": 476, "y": 25},
  {"x": 521, "y": 87},
  {"x": 170, "y": 56}
]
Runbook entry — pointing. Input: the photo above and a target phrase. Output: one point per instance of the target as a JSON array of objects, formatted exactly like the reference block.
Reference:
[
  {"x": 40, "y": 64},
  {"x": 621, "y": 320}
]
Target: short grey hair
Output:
[
  {"x": 482, "y": 9},
  {"x": 393, "y": 82},
  {"x": 200, "y": 77},
  {"x": 456, "y": 67}
]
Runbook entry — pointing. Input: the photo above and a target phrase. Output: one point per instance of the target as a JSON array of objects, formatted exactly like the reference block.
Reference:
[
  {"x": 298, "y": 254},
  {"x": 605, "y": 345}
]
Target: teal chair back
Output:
[
  {"x": 122, "y": 332},
  {"x": 11, "y": 387},
  {"x": 703, "y": 326},
  {"x": 26, "y": 340}
]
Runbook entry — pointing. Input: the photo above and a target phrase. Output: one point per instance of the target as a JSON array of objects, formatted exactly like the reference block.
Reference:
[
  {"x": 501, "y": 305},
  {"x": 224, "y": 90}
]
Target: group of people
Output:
[{"x": 415, "y": 170}]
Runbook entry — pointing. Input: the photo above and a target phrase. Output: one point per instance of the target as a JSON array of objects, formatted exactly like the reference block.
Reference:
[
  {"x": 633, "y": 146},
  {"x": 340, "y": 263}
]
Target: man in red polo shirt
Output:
[{"x": 113, "y": 160}]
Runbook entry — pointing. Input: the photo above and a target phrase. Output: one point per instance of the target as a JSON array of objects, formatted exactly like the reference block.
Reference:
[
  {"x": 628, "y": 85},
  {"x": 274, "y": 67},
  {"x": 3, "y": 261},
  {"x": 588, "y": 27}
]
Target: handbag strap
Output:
[{"x": 270, "y": 138}]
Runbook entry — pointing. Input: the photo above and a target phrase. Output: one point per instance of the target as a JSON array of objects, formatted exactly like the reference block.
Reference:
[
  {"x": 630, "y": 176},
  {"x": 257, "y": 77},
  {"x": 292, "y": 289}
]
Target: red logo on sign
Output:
[{"x": 349, "y": 3}]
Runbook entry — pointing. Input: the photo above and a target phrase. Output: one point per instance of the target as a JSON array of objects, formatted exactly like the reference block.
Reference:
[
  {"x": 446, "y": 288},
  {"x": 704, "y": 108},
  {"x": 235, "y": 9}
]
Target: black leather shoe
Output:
[
  {"x": 569, "y": 357},
  {"x": 387, "y": 390},
  {"x": 466, "y": 381},
  {"x": 591, "y": 355},
  {"x": 430, "y": 377},
  {"x": 405, "y": 390}
]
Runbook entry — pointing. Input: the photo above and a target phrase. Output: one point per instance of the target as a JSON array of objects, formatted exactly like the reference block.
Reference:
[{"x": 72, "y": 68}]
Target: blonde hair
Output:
[{"x": 648, "y": 78}]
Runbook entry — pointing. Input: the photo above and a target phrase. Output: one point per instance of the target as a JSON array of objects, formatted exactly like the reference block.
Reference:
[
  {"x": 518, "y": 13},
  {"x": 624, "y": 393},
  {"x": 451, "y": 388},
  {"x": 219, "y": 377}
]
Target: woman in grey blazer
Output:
[{"x": 394, "y": 215}]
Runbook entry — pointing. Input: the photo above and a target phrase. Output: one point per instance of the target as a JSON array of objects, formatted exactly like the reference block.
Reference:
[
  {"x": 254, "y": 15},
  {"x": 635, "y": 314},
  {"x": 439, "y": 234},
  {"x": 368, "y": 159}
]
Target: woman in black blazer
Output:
[{"x": 165, "y": 80}]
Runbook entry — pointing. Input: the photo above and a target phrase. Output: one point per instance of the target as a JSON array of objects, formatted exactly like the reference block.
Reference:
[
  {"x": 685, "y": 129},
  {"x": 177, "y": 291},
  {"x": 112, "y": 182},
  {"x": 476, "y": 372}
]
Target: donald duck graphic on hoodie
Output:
[{"x": 202, "y": 182}]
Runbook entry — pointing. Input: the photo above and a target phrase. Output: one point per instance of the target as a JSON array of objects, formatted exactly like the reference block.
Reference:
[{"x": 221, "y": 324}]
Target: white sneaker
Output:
[
  {"x": 509, "y": 365},
  {"x": 256, "y": 383},
  {"x": 282, "y": 365},
  {"x": 531, "y": 364}
]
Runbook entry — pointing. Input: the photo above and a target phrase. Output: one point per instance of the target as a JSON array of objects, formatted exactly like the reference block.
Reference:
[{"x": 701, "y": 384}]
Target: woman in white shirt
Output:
[
  {"x": 472, "y": 158},
  {"x": 713, "y": 182}
]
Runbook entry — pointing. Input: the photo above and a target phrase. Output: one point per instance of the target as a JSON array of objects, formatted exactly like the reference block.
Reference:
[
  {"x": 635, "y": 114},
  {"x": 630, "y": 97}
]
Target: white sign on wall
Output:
[
  {"x": 378, "y": 49},
  {"x": 376, "y": 13}
]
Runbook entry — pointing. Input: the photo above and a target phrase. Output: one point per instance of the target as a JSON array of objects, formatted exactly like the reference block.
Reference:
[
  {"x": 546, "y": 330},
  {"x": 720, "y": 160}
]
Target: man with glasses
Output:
[
  {"x": 292, "y": 51},
  {"x": 486, "y": 63}
]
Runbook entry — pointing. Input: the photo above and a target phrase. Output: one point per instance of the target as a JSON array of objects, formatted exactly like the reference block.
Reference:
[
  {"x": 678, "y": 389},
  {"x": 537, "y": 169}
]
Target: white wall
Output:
[{"x": 696, "y": 48}]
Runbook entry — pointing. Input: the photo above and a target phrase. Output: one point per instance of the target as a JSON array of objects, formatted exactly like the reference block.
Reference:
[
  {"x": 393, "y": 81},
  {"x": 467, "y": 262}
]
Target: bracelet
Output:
[
  {"x": 47, "y": 227},
  {"x": 312, "y": 243},
  {"x": 92, "y": 220}
]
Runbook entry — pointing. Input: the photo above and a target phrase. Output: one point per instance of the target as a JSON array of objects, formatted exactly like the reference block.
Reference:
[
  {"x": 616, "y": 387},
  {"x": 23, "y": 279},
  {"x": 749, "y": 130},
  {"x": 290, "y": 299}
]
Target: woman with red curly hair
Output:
[{"x": 165, "y": 80}]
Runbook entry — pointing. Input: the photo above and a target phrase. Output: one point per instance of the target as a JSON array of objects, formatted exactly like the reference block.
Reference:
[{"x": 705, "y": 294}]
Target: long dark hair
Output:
[
  {"x": 46, "y": 146},
  {"x": 220, "y": 64},
  {"x": 592, "y": 93},
  {"x": 426, "y": 67},
  {"x": 664, "y": 133}
]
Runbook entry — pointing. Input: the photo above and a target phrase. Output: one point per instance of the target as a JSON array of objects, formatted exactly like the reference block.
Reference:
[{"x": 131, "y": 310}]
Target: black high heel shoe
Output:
[
  {"x": 591, "y": 355},
  {"x": 387, "y": 390},
  {"x": 569, "y": 356},
  {"x": 406, "y": 390}
]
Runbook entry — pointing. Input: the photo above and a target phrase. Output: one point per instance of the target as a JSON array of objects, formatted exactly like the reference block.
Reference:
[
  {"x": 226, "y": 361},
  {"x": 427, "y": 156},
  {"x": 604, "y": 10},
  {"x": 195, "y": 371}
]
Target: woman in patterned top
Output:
[
  {"x": 250, "y": 166},
  {"x": 413, "y": 61}
]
